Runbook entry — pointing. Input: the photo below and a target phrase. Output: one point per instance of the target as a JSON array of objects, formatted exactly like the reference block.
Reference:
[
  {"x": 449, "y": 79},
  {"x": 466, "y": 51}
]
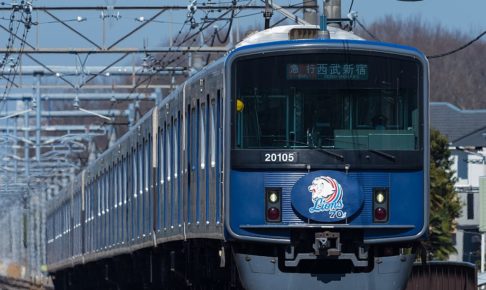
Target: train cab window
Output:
[{"x": 351, "y": 101}]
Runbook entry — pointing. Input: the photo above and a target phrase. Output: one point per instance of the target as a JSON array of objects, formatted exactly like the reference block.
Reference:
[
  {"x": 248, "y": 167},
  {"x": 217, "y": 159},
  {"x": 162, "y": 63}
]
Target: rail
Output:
[{"x": 443, "y": 276}]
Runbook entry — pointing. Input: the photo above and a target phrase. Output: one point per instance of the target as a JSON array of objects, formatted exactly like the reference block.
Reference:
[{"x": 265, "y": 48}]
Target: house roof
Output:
[{"x": 461, "y": 127}]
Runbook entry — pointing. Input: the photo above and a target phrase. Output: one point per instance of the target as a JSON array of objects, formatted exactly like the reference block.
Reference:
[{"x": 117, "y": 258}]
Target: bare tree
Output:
[{"x": 458, "y": 78}]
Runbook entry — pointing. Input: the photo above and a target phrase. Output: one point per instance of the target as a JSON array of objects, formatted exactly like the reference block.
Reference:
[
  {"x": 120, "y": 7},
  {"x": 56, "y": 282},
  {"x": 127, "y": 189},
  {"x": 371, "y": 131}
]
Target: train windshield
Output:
[{"x": 337, "y": 101}]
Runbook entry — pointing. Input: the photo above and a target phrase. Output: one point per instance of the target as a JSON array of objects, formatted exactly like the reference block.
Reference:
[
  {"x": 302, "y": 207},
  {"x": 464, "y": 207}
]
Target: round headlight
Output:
[
  {"x": 273, "y": 197},
  {"x": 380, "y": 197}
]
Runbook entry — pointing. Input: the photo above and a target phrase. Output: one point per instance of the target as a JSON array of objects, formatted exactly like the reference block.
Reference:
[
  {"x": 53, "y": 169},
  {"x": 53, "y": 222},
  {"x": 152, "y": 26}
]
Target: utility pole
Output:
[
  {"x": 332, "y": 10},
  {"x": 26, "y": 136},
  {"x": 267, "y": 14},
  {"x": 38, "y": 115},
  {"x": 482, "y": 202},
  {"x": 310, "y": 12}
]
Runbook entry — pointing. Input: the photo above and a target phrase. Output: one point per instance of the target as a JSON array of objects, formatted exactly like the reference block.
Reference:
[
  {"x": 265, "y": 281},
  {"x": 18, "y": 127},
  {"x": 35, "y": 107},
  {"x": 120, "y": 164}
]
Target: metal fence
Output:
[{"x": 443, "y": 276}]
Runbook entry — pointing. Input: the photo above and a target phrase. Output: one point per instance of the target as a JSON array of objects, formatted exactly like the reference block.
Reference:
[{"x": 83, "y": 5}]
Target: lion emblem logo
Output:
[{"x": 327, "y": 196}]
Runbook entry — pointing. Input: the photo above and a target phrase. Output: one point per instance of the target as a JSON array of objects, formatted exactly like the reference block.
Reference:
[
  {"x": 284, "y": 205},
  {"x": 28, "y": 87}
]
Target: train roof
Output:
[
  {"x": 307, "y": 34},
  {"x": 282, "y": 33}
]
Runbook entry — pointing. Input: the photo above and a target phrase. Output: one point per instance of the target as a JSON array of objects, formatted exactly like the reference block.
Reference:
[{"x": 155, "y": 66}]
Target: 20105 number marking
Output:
[{"x": 280, "y": 157}]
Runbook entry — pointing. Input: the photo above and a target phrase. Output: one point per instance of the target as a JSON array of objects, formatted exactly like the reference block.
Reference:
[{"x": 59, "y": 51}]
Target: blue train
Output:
[{"x": 292, "y": 162}]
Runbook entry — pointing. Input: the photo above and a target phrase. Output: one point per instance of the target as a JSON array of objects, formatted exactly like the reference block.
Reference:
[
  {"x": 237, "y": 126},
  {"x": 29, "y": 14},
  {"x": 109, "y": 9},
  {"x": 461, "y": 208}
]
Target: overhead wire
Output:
[
  {"x": 366, "y": 30},
  {"x": 351, "y": 6},
  {"x": 229, "y": 29},
  {"x": 459, "y": 48},
  {"x": 25, "y": 18},
  {"x": 138, "y": 83},
  {"x": 163, "y": 64}
]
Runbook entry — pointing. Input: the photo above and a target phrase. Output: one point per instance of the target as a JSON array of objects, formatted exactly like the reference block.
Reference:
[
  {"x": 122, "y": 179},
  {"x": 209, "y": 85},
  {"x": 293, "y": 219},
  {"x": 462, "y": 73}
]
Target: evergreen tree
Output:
[{"x": 445, "y": 206}]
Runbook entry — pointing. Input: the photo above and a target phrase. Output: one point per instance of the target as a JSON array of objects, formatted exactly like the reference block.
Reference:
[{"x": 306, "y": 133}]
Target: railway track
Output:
[{"x": 8, "y": 283}]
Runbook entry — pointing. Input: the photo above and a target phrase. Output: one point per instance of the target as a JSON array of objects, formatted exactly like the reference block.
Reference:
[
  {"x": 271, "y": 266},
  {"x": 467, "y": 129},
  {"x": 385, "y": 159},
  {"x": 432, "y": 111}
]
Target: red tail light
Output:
[
  {"x": 380, "y": 214},
  {"x": 273, "y": 213}
]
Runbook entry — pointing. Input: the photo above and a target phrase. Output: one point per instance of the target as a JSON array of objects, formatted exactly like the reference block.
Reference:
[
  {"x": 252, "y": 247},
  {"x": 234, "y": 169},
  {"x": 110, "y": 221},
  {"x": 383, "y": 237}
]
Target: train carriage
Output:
[{"x": 296, "y": 162}]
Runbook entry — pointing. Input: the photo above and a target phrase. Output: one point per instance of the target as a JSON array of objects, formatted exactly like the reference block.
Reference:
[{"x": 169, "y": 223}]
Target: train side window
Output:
[
  {"x": 140, "y": 189},
  {"x": 161, "y": 158},
  {"x": 125, "y": 179},
  {"x": 92, "y": 199},
  {"x": 168, "y": 201},
  {"x": 109, "y": 189},
  {"x": 87, "y": 202},
  {"x": 197, "y": 148},
  {"x": 213, "y": 134},
  {"x": 120, "y": 180},
  {"x": 187, "y": 165},
  {"x": 148, "y": 165},
  {"x": 164, "y": 175},
  {"x": 118, "y": 196},
  {"x": 173, "y": 169},
  {"x": 105, "y": 192},
  {"x": 148, "y": 172},
  {"x": 134, "y": 173},
  {"x": 113, "y": 187},
  {"x": 178, "y": 153},
  {"x": 161, "y": 176},
  {"x": 102, "y": 201},
  {"x": 158, "y": 178},
  {"x": 193, "y": 139},
  {"x": 115, "y": 184},
  {"x": 98, "y": 194},
  {"x": 202, "y": 132},
  {"x": 167, "y": 154},
  {"x": 218, "y": 156},
  {"x": 140, "y": 168},
  {"x": 176, "y": 147}
]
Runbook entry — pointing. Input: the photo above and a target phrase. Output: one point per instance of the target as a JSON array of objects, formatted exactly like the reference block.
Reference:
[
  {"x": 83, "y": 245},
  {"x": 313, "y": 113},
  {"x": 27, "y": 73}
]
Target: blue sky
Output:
[{"x": 467, "y": 16}]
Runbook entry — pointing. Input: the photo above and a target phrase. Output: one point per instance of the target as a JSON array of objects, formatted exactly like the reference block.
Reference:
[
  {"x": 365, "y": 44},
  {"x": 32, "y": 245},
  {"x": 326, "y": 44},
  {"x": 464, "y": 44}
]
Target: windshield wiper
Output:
[
  {"x": 322, "y": 150},
  {"x": 292, "y": 141},
  {"x": 329, "y": 152},
  {"x": 384, "y": 154}
]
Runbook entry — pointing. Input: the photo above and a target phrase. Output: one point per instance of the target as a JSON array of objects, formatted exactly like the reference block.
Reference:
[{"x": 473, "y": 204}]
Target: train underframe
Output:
[
  {"x": 192, "y": 264},
  {"x": 324, "y": 262}
]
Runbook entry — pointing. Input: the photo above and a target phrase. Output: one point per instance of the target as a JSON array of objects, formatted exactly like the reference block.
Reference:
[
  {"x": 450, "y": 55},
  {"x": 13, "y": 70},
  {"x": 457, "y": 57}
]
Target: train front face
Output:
[{"x": 328, "y": 162}]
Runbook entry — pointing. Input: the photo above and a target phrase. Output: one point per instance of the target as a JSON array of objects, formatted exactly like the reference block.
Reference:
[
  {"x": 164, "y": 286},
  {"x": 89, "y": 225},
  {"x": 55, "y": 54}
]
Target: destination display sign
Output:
[{"x": 327, "y": 71}]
